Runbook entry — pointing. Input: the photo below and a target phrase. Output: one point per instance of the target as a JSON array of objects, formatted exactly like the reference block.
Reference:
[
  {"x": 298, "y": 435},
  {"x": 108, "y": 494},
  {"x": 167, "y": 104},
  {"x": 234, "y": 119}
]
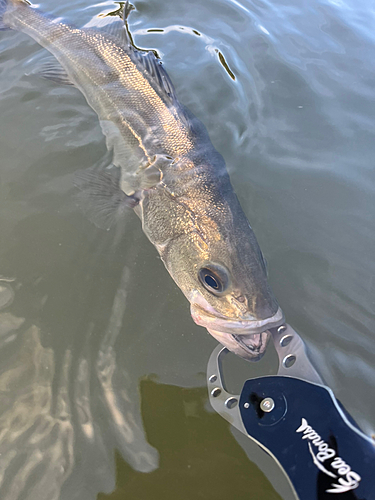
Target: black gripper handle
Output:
[{"x": 319, "y": 446}]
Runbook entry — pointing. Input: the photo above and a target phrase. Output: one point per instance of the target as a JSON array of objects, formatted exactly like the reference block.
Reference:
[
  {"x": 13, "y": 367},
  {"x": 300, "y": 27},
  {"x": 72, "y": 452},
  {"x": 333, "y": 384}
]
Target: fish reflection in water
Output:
[
  {"x": 123, "y": 405},
  {"x": 45, "y": 427}
]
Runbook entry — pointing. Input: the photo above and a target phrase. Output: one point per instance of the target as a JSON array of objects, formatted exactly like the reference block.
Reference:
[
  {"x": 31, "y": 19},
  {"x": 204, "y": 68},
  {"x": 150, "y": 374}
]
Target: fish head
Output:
[{"x": 221, "y": 270}]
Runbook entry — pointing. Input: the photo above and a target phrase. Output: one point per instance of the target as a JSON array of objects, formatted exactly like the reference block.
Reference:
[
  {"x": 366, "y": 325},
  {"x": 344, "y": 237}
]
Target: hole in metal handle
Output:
[
  {"x": 289, "y": 360},
  {"x": 286, "y": 340},
  {"x": 216, "y": 392},
  {"x": 231, "y": 403}
]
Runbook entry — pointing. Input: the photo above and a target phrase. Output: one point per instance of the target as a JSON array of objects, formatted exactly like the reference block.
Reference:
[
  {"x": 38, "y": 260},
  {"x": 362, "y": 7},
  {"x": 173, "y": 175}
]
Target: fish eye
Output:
[{"x": 214, "y": 278}]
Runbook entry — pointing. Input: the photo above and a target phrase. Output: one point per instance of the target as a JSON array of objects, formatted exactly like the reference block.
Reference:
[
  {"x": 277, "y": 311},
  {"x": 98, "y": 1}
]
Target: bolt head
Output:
[{"x": 267, "y": 405}]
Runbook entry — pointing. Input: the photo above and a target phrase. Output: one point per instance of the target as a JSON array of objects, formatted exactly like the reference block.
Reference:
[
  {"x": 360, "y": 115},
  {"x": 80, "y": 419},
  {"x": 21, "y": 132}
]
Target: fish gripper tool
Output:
[{"x": 299, "y": 422}]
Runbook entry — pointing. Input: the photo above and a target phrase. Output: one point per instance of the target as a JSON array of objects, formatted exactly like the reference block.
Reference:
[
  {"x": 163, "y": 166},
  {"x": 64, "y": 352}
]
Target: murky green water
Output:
[{"x": 102, "y": 370}]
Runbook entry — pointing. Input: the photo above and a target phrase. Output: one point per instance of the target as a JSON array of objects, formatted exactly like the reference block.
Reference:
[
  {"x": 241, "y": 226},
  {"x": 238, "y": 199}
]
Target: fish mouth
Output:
[{"x": 247, "y": 339}]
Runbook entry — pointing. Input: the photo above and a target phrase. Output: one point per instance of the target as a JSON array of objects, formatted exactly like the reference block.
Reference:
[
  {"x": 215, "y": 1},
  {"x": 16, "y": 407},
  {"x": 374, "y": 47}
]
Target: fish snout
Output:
[
  {"x": 247, "y": 339},
  {"x": 263, "y": 307},
  {"x": 248, "y": 326}
]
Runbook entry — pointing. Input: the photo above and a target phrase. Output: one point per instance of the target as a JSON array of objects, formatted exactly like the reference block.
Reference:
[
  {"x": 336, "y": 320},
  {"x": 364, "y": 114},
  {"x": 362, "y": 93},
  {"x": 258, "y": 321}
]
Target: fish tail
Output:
[
  {"x": 7, "y": 6},
  {"x": 3, "y": 8}
]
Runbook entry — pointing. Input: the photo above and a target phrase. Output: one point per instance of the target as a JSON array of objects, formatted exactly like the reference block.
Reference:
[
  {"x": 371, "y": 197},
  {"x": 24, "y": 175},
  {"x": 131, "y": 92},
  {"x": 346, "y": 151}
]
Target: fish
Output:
[{"x": 165, "y": 168}]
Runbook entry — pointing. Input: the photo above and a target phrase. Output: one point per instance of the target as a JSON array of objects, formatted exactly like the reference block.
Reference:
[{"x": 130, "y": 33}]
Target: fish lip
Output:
[
  {"x": 236, "y": 327},
  {"x": 251, "y": 347},
  {"x": 247, "y": 339}
]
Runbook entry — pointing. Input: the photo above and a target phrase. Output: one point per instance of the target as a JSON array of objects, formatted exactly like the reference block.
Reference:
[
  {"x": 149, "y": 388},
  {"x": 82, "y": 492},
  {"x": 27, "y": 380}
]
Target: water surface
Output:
[{"x": 102, "y": 370}]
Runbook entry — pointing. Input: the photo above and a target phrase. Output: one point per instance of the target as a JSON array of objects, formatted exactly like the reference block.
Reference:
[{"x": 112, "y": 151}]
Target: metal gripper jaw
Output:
[{"x": 293, "y": 362}]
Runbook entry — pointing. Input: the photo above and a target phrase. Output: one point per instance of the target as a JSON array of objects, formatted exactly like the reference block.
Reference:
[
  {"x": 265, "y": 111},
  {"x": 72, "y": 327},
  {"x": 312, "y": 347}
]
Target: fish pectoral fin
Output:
[
  {"x": 153, "y": 173},
  {"x": 150, "y": 177},
  {"x": 100, "y": 197},
  {"x": 50, "y": 69},
  {"x": 160, "y": 162}
]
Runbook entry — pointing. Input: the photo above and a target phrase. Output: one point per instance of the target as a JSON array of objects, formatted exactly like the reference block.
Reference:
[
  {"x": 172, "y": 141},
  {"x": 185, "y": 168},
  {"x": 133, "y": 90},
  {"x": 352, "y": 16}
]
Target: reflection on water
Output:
[
  {"x": 6, "y": 294},
  {"x": 124, "y": 411},
  {"x": 48, "y": 428},
  {"x": 87, "y": 316},
  {"x": 36, "y": 440},
  {"x": 44, "y": 412},
  {"x": 217, "y": 464}
]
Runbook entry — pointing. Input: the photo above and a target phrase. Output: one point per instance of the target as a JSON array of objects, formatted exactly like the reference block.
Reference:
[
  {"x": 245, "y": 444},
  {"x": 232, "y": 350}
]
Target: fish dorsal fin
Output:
[
  {"x": 112, "y": 24},
  {"x": 149, "y": 59},
  {"x": 155, "y": 69},
  {"x": 115, "y": 23}
]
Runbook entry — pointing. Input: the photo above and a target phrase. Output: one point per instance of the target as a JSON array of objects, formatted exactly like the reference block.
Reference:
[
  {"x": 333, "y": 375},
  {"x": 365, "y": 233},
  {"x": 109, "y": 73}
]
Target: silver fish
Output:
[{"x": 166, "y": 169}]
